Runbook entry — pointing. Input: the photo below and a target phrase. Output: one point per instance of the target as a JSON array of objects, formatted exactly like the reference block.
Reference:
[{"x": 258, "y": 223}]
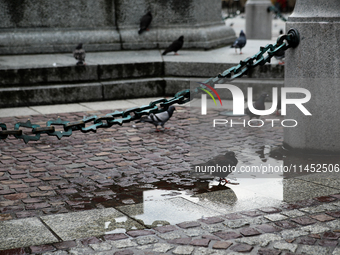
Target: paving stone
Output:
[
  {"x": 183, "y": 250},
  {"x": 36, "y": 206},
  {"x": 114, "y": 237},
  {"x": 264, "y": 251},
  {"x": 328, "y": 243},
  {"x": 124, "y": 252},
  {"x": 41, "y": 248},
  {"x": 42, "y": 194},
  {"x": 289, "y": 234},
  {"x": 31, "y": 200},
  {"x": 249, "y": 232},
  {"x": 190, "y": 224},
  {"x": 17, "y": 196},
  {"x": 170, "y": 235},
  {"x": 252, "y": 213},
  {"x": 184, "y": 240},
  {"x": 210, "y": 237},
  {"x": 325, "y": 199},
  {"x": 200, "y": 242},
  {"x": 5, "y": 216},
  {"x": 104, "y": 246},
  {"x": 90, "y": 240},
  {"x": 165, "y": 229},
  {"x": 212, "y": 220},
  {"x": 214, "y": 227},
  {"x": 266, "y": 228},
  {"x": 270, "y": 210},
  {"x": 331, "y": 235},
  {"x": 304, "y": 220},
  {"x": 65, "y": 245},
  {"x": 320, "y": 208},
  {"x": 221, "y": 245},
  {"x": 275, "y": 217},
  {"x": 334, "y": 214},
  {"x": 236, "y": 223},
  {"x": 313, "y": 250},
  {"x": 80, "y": 251},
  {"x": 233, "y": 216},
  {"x": 262, "y": 240},
  {"x": 307, "y": 241},
  {"x": 135, "y": 233},
  {"x": 228, "y": 235},
  {"x": 322, "y": 217},
  {"x": 9, "y": 203},
  {"x": 293, "y": 213},
  {"x": 121, "y": 244},
  {"x": 315, "y": 229},
  {"x": 146, "y": 240},
  {"x": 241, "y": 248},
  {"x": 162, "y": 247},
  {"x": 285, "y": 224},
  {"x": 285, "y": 246}
]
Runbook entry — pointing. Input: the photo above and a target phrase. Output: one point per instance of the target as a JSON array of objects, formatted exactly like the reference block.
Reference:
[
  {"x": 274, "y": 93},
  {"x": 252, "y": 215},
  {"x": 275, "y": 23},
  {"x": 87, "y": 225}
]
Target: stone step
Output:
[{"x": 14, "y": 96}]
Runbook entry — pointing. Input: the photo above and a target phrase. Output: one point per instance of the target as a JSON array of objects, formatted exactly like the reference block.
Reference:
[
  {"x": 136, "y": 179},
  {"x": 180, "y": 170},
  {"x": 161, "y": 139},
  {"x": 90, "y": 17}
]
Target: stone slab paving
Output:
[
  {"x": 194, "y": 237},
  {"x": 114, "y": 167}
]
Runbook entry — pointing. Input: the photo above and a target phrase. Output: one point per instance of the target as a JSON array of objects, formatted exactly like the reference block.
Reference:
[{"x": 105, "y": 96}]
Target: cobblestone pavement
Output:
[
  {"x": 305, "y": 227},
  {"x": 111, "y": 168}
]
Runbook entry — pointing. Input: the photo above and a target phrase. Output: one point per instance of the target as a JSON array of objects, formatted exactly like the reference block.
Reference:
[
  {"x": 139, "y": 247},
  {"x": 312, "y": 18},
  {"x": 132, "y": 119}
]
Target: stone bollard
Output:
[
  {"x": 314, "y": 65},
  {"x": 258, "y": 20}
]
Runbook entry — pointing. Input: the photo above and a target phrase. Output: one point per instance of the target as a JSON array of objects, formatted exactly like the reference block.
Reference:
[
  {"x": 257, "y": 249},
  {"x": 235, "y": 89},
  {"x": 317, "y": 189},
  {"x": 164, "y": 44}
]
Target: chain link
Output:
[{"x": 291, "y": 39}]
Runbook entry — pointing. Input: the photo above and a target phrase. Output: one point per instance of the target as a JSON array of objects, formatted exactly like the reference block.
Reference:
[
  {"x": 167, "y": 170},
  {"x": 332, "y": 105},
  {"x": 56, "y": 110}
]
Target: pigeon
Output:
[
  {"x": 240, "y": 42},
  {"x": 79, "y": 54},
  {"x": 258, "y": 105},
  {"x": 145, "y": 22},
  {"x": 227, "y": 162},
  {"x": 158, "y": 119},
  {"x": 175, "y": 46},
  {"x": 280, "y": 55}
]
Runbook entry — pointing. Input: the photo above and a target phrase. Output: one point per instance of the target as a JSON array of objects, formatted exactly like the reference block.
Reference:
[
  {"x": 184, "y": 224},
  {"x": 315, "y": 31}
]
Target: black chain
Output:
[{"x": 119, "y": 117}]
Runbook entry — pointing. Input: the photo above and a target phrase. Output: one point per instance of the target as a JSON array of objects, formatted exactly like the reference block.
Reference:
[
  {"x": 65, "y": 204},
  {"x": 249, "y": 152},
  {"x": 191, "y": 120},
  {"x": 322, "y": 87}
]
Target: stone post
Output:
[
  {"x": 258, "y": 20},
  {"x": 315, "y": 65}
]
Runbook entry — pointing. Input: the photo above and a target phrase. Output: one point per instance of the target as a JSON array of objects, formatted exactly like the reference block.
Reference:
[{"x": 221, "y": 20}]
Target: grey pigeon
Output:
[
  {"x": 228, "y": 161},
  {"x": 145, "y": 22},
  {"x": 240, "y": 42},
  {"x": 79, "y": 54},
  {"x": 258, "y": 105},
  {"x": 175, "y": 46},
  {"x": 158, "y": 119}
]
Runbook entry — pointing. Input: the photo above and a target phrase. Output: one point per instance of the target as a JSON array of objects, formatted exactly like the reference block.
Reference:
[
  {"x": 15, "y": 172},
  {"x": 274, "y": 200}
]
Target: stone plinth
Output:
[
  {"x": 314, "y": 65},
  {"x": 258, "y": 19},
  {"x": 43, "y": 26}
]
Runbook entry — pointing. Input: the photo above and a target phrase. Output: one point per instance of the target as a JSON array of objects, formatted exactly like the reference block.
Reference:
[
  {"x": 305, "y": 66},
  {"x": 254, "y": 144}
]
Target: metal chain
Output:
[{"x": 119, "y": 117}]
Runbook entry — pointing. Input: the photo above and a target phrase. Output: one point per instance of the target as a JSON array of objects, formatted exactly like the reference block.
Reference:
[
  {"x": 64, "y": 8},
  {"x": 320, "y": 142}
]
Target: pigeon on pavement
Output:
[
  {"x": 158, "y": 119},
  {"x": 79, "y": 54},
  {"x": 240, "y": 42},
  {"x": 145, "y": 22},
  {"x": 258, "y": 105},
  {"x": 227, "y": 162},
  {"x": 175, "y": 46}
]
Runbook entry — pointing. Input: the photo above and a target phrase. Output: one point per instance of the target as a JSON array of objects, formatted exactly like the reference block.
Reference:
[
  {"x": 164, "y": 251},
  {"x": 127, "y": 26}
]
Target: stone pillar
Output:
[
  {"x": 46, "y": 26},
  {"x": 315, "y": 65},
  {"x": 258, "y": 20}
]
